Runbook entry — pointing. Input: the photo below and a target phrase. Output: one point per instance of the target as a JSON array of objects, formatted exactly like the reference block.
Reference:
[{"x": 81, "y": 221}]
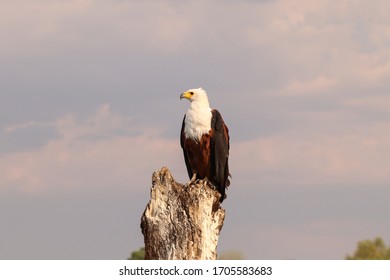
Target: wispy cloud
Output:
[
  {"x": 102, "y": 150},
  {"x": 347, "y": 159}
]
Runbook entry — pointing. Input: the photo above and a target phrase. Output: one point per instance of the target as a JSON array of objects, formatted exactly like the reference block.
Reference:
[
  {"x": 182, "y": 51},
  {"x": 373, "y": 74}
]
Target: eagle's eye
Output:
[{"x": 191, "y": 92}]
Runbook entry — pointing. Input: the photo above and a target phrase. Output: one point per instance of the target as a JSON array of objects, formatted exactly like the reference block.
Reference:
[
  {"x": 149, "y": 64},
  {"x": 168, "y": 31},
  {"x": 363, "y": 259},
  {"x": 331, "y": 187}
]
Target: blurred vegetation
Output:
[
  {"x": 231, "y": 255},
  {"x": 371, "y": 250},
  {"x": 138, "y": 255},
  {"x": 375, "y": 249}
]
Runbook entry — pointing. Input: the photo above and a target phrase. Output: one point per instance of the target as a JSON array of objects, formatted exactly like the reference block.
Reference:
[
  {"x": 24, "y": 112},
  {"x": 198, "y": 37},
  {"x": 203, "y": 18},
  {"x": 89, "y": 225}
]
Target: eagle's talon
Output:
[{"x": 193, "y": 179}]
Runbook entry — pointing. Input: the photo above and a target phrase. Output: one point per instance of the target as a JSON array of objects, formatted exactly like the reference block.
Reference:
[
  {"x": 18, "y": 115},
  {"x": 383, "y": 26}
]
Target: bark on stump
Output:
[{"x": 181, "y": 222}]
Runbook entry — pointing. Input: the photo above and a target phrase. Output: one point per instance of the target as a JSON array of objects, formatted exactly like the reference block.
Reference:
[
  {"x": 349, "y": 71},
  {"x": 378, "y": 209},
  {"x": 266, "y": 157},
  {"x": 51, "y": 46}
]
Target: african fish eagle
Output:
[{"x": 205, "y": 142}]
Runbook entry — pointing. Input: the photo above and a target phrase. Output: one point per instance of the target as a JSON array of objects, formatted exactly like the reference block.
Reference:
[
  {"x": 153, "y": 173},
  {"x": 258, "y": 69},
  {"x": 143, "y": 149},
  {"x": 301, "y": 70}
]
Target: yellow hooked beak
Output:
[{"x": 187, "y": 94}]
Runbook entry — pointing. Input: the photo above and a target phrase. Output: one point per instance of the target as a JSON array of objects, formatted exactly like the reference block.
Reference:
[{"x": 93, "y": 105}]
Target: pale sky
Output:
[{"x": 90, "y": 107}]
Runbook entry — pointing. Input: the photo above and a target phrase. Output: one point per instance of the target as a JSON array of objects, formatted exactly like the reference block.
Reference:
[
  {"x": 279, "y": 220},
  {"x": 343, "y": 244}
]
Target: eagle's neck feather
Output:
[{"x": 198, "y": 120}]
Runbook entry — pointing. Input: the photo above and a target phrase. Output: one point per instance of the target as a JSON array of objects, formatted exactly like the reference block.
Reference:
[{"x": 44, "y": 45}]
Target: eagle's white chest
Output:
[{"x": 197, "y": 121}]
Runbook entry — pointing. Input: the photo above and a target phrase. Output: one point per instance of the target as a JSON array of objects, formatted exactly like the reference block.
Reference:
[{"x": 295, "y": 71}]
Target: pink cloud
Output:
[
  {"x": 348, "y": 158},
  {"x": 75, "y": 161}
]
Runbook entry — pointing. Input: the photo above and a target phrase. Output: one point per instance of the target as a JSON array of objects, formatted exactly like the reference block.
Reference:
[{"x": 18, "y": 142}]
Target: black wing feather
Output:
[
  {"x": 182, "y": 138},
  {"x": 220, "y": 153}
]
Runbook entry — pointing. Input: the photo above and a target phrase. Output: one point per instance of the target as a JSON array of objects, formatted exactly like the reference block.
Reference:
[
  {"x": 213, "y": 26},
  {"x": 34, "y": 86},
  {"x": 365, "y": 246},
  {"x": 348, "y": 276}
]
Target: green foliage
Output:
[
  {"x": 371, "y": 250},
  {"x": 138, "y": 255},
  {"x": 231, "y": 255}
]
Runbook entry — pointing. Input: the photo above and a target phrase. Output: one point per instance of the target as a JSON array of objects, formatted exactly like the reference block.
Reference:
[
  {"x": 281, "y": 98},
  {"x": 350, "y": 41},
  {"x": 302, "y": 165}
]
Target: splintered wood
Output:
[{"x": 181, "y": 222}]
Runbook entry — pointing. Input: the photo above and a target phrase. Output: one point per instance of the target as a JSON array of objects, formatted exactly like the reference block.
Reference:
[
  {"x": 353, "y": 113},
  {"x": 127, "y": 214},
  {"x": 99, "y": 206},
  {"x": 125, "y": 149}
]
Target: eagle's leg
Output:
[{"x": 193, "y": 180}]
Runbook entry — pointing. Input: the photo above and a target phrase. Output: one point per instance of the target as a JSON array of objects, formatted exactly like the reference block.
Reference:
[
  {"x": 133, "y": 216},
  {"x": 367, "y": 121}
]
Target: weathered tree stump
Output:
[{"x": 181, "y": 222}]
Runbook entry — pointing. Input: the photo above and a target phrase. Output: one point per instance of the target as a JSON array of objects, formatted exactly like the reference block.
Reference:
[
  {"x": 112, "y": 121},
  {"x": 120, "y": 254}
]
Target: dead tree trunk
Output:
[{"x": 181, "y": 222}]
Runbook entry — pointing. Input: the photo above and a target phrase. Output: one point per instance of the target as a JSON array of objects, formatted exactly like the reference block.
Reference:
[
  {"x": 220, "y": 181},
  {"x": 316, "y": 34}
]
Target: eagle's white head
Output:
[
  {"x": 197, "y": 95},
  {"x": 198, "y": 117}
]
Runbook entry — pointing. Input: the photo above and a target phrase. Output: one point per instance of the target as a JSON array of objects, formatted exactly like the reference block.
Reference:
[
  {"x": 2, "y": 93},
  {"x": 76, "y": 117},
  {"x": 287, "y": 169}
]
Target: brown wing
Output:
[{"x": 219, "y": 153}]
